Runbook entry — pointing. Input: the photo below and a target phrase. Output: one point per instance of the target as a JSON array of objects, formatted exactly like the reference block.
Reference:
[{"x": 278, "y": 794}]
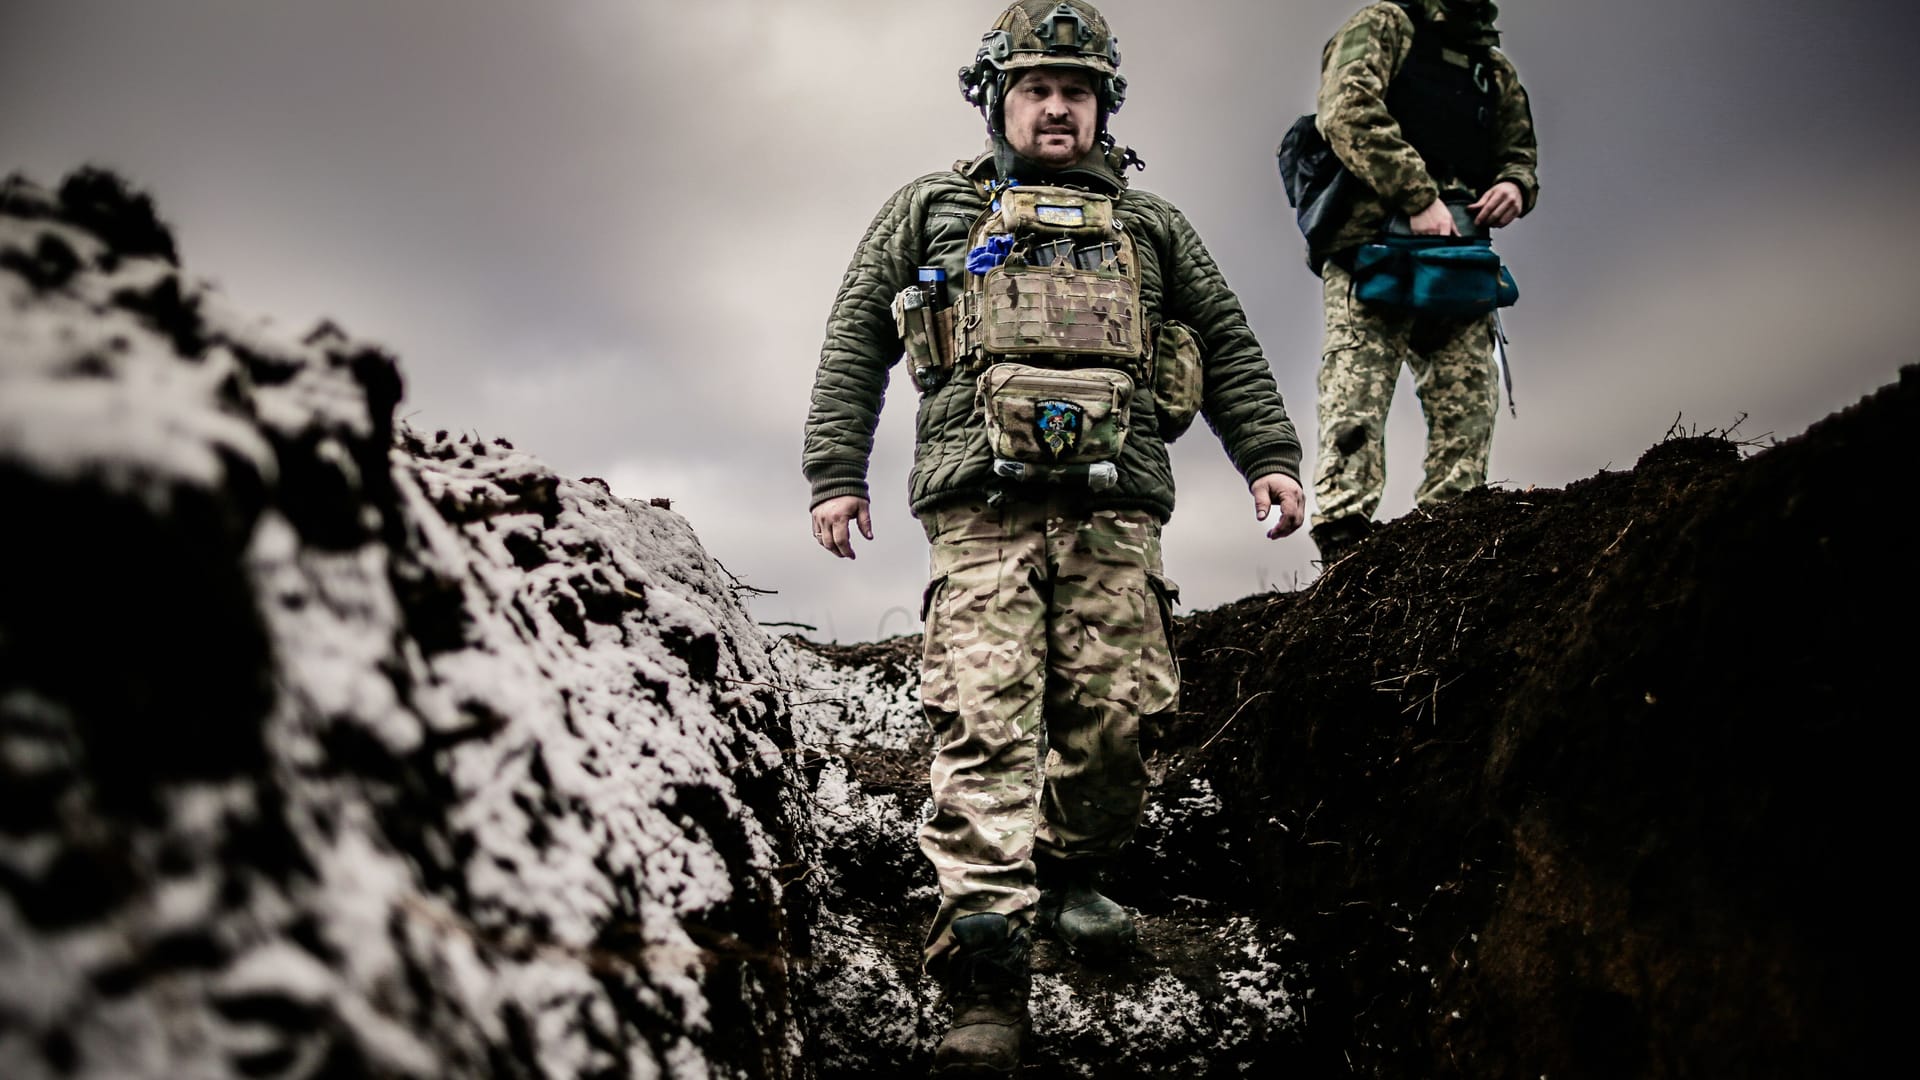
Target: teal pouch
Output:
[{"x": 1433, "y": 275}]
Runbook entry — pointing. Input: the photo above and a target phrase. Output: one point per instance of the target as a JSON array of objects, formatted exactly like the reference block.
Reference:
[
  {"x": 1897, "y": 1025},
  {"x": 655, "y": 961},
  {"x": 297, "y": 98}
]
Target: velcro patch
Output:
[{"x": 1354, "y": 44}]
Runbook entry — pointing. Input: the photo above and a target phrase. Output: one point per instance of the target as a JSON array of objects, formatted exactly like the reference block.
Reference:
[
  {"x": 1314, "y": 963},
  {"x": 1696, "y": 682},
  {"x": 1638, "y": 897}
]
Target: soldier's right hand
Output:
[
  {"x": 1499, "y": 206},
  {"x": 832, "y": 520},
  {"x": 1435, "y": 220}
]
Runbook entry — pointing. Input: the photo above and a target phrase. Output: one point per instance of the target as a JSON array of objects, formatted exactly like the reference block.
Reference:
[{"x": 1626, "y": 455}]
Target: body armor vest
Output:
[
  {"x": 1444, "y": 100},
  {"x": 1063, "y": 290},
  {"x": 1049, "y": 318}
]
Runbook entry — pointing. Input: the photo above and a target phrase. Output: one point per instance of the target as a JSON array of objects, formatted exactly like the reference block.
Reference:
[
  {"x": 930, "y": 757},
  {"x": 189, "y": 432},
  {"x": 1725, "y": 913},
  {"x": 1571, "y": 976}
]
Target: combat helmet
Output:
[{"x": 1044, "y": 33}]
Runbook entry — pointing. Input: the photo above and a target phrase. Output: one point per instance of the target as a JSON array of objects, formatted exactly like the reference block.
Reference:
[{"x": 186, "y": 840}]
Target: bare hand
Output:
[
  {"x": 1281, "y": 491},
  {"x": 1435, "y": 220},
  {"x": 831, "y": 523},
  {"x": 1499, "y": 206}
]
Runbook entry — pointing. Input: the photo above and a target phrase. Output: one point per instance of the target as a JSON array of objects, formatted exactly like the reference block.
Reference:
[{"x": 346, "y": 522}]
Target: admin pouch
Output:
[
  {"x": 1045, "y": 416},
  {"x": 1054, "y": 211},
  {"x": 1433, "y": 275}
]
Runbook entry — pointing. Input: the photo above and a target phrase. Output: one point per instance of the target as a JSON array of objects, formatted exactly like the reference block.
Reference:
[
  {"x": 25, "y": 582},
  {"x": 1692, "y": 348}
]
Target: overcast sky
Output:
[{"x": 609, "y": 230}]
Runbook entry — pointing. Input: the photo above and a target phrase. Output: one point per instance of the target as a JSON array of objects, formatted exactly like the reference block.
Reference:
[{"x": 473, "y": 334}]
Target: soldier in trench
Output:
[{"x": 1060, "y": 326}]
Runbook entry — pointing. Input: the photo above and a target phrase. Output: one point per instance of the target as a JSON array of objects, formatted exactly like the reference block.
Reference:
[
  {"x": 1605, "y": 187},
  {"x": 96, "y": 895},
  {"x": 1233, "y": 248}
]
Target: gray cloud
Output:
[{"x": 609, "y": 231}]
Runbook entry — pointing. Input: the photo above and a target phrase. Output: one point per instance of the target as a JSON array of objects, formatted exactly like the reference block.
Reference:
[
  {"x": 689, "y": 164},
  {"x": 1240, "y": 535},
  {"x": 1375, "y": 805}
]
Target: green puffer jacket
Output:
[{"x": 926, "y": 223}]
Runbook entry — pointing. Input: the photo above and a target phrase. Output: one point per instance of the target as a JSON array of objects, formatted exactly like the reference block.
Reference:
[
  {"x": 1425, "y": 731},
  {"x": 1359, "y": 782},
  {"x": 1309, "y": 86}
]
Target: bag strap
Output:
[{"x": 1501, "y": 357}]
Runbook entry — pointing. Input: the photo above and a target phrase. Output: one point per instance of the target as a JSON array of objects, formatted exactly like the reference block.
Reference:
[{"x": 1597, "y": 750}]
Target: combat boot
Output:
[
  {"x": 986, "y": 981},
  {"x": 1073, "y": 910},
  {"x": 1337, "y": 539}
]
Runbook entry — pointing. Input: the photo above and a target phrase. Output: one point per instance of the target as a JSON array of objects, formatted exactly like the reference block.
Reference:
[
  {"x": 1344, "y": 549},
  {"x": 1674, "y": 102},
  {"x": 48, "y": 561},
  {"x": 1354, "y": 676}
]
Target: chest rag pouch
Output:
[
  {"x": 1433, "y": 275},
  {"x": 1044, "y": 416}
]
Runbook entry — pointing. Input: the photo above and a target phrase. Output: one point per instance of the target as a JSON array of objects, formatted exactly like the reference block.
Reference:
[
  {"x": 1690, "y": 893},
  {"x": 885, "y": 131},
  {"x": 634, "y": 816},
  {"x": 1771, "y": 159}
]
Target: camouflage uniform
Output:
[
  {"x": 1047, "y": 631},
  {"x": 1046, "y": 616},
  {"x": 1451, "y": 359}
]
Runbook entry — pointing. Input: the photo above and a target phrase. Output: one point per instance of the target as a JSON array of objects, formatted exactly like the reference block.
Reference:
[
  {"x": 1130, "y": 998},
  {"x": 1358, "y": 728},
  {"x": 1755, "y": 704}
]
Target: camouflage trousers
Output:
[
  {"x": 1454, "y": 377},
  {"x": 1047, "y": 639}
]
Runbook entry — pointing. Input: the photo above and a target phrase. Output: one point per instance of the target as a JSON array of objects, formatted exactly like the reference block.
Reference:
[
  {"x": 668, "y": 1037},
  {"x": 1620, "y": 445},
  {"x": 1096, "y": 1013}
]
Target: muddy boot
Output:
[
  {"x": 986, "y": 981},
  {"x": 1072, "y": 909}
]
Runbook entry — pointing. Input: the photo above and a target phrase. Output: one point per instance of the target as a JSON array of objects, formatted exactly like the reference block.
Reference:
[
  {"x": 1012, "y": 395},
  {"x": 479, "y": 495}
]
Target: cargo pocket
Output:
[
  {"x": 937, "y": 693},
  {"x": 1159, "y": 665},
  {"x": 1340, "y": 339},
  {"x": 1341, "y": 332}
]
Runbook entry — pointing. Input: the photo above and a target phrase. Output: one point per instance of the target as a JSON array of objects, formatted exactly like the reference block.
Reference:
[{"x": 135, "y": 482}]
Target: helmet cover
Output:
[{"x": 1045, "y": 33}]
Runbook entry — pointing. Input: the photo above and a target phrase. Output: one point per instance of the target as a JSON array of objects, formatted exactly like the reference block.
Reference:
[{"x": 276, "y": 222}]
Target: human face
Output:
[{"x": 1051, "y": 115}]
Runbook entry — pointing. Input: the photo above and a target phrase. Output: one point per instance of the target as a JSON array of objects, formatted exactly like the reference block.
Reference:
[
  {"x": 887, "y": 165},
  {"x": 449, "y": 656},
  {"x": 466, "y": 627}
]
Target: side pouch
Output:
[
  {"x": 1456, "y": 279},
  {"x": 1433, "y": 275},
  {"x": 1047, "y": 417},
  {"x": 1381, "y": 273},
  {"x": 1177, "y": 378}
]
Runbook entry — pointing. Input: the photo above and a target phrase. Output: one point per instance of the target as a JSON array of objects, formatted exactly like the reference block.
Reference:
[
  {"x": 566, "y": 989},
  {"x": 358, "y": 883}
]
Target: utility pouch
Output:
[
  {"x": 1434, "y": 275},
  {"x": 927, "y": 334},
  {"x": 1046, "y": 417},
  {"x": 1177, "y": 379}
]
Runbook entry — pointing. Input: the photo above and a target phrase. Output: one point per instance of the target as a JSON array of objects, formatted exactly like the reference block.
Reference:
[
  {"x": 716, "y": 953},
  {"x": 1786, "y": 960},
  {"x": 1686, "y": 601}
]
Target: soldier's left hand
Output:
[
  {"x": 1499, "y": 206},
  {"x": 1278, "y": 491},
  {"x": 834, "y": 521}
]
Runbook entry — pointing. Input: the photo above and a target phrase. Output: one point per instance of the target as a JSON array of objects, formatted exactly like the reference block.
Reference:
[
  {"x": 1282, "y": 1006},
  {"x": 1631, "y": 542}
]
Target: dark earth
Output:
[{"x": 1587, "y": 782}]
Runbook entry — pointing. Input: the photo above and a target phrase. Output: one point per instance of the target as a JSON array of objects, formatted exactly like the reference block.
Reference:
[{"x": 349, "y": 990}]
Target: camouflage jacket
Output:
[
  {"x": 1356, "y": 67},
  {"x": 926, "y": 223}
]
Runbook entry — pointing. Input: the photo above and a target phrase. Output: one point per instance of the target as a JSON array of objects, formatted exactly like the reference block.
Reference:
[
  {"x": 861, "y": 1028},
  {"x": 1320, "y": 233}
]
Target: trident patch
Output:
[{"x": 1058, "y": 423}]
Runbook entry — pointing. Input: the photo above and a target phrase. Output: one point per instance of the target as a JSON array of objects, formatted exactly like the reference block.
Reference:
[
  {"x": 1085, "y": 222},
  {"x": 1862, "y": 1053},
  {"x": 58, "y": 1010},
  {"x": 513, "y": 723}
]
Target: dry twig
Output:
[{"x": 1231, "y": 719}]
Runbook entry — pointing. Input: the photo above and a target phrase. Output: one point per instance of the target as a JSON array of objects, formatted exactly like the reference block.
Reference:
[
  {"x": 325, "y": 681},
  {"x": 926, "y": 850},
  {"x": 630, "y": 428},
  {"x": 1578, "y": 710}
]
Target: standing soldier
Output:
[
  {"x": 1060, "y": 327},
  {"x": 1420, "y": 107}
]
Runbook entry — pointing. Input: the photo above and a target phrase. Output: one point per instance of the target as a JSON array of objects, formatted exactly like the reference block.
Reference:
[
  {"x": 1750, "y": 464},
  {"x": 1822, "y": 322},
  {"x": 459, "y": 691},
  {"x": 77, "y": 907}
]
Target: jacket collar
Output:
[{"x": 1094, "y": 172}]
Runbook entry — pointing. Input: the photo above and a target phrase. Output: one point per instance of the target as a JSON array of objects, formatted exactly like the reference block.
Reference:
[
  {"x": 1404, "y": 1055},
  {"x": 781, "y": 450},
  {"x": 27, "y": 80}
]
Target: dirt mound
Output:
[
  {"x": 333, "y": 748},
  {"x": 1581, "y": 782}
]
